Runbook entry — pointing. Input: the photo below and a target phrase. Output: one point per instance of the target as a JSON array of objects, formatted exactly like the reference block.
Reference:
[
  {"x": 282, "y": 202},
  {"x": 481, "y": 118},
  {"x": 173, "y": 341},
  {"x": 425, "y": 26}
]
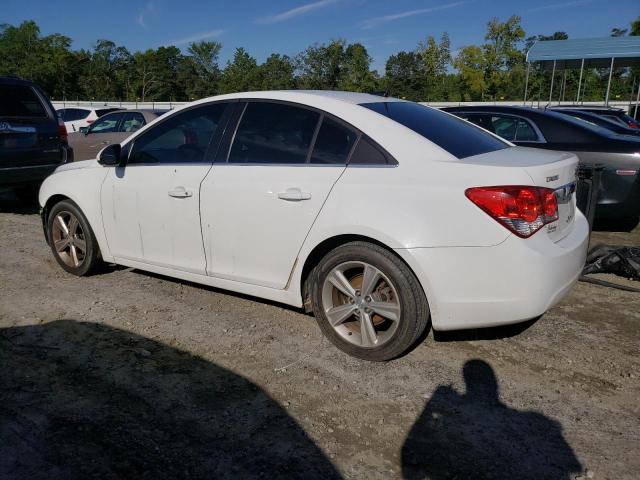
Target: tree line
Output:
[{"x": 494, "y": 70}]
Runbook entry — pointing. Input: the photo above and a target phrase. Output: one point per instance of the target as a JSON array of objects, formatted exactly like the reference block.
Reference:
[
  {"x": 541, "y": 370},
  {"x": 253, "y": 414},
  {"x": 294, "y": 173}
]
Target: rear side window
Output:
[
  {"x": 333, "y": 143},
  {"x": 183, "y": 138},
  {"x": 132, "y": 122},
  {"x": 73, "y": 114},
  {"x": 20, "y": 101},
  {"x": 367, "y": 153},
  {"x": 448, "y": 132},
  {"x": 273, "y": 133}
]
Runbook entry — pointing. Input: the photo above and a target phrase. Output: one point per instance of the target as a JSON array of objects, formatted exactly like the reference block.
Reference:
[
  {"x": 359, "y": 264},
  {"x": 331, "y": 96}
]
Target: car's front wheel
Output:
[
  {"x": 72, "y": 241},
  {"x": 368, "y": 302}
]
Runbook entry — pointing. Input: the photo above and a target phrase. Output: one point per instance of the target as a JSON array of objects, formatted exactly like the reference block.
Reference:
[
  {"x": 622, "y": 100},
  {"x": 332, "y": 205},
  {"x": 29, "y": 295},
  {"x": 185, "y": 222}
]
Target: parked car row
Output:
[{"x": 551, "y": 129}]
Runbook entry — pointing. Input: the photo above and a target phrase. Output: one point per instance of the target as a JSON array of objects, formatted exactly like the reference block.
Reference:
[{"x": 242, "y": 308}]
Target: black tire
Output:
[
  {"x": 91, "y": 258},
  {"x": 414, "y": 316}
]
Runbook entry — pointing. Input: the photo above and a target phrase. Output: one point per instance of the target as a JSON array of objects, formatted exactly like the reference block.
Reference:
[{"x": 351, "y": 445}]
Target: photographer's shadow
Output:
[{"x": 476, "y": 436}]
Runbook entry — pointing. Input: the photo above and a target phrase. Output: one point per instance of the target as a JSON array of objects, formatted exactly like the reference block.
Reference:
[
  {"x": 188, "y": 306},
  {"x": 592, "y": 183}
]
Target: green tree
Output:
[
  {"x": 277, "y": 73},
  {"x": 355, "y": 73},
  {"x": 241, "y": 74},
  {"x": 404, "y": 75},
  {"x": 470, "y": 63},
  {"x": 436, "y": 57},
  {"x": 320, "y": 66}
]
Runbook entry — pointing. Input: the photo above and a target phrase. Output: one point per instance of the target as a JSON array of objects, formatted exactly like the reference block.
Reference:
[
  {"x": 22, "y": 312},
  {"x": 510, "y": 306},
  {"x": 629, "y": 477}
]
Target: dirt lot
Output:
[{"x": 130, "y": 375}]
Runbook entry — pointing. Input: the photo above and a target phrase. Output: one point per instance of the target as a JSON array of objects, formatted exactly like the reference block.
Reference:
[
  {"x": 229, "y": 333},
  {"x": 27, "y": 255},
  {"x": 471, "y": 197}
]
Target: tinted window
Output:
[
  {"x": 448, "y": 132},
  {"x": 104, "y": 111},
  {"x": 183, "y": 138},
  {"x": 106, "y": 124},
  {"x": 20, "y": 101},
  {"x": 333, "y": 143},
  {"x": 512, "y": 128},
  {"x": 132, "y": 122},
  {"x": 366, "y": 153},
  {"x": 73, "y": 114},
  {"x": 273, "y": 133}
]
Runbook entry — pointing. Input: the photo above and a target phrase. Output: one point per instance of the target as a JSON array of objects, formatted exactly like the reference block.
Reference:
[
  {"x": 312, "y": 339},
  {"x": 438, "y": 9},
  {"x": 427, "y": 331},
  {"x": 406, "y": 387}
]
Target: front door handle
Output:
[
  {"x": 180, "y": 192},
  {"x": 294, "y": 195}
]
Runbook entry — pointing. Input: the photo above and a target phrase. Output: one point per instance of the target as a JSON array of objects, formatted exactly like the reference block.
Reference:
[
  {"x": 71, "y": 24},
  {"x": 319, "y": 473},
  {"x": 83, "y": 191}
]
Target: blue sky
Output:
[{"x": 289, "y": 26}]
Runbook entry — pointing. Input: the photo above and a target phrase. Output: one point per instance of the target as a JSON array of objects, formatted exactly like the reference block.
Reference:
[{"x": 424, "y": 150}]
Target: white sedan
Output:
[{"x": 379, "y": 215}]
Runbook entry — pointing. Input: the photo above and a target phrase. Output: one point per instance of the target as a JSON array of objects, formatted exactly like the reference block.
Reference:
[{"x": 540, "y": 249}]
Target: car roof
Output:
[
  {"x": 587, "y": 108},
  {"x": 302, "y": 96},
  {"x": 16, "y": 81}
]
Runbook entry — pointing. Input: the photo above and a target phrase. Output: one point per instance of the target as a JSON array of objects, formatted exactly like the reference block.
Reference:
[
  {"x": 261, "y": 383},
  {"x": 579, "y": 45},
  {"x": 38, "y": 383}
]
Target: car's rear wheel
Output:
[
  {"x": 368, "y": 302},
  {"x": 72, "y": 241}
]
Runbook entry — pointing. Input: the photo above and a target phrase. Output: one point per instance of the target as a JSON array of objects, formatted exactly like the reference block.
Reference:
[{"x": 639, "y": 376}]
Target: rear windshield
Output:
[
  {"x": 104, "y": 111},
  {"x": 448, "y": 132},
  {"x": 20, "y": 101}
]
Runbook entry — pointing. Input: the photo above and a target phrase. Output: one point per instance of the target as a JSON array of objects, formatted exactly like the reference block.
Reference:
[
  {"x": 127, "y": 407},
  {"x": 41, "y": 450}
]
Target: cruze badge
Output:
[{"x": 552, "y": 178}]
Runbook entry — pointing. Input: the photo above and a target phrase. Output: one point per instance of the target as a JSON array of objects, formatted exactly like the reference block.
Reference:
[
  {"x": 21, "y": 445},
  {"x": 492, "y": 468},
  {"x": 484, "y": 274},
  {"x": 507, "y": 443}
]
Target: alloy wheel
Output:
[
  {"x": 361, "y": 304},
  {"x": 68, "y": 239}
]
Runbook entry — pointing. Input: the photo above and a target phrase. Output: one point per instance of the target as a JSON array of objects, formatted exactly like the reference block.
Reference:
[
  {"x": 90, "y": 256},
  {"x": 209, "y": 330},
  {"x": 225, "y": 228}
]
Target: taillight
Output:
[
  {"x": 89, "y": 122},
  {"x": 632, "y": 124},
  {"x": 521, "y": 209},
  {"x": 62, "y": 130}
]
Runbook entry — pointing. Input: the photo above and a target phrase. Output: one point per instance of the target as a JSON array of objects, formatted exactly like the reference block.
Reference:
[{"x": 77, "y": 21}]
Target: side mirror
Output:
[
  {"x": 84, "y": 130},
  {"x": 110, "y": 155}
]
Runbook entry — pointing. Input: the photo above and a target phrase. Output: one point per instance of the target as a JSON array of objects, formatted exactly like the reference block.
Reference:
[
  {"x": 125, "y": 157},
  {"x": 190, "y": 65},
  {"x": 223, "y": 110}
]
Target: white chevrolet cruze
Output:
[{"x": 377, "y": 214}]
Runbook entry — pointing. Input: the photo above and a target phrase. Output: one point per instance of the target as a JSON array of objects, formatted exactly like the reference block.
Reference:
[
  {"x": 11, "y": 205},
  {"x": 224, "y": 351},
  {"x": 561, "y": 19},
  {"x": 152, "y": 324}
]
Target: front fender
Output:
[{"x": 82, "y": 186}]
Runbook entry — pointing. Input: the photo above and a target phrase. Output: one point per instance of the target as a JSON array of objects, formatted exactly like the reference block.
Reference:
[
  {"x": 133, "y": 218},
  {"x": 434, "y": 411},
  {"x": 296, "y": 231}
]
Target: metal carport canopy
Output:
[
  {"x": 584, "y": 52},
  {"x": 596, "y": 52}
]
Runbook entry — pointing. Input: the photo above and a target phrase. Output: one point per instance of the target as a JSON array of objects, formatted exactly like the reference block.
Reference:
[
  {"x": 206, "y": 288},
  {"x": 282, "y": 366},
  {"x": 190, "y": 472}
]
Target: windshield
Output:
[{"x": 450, "y": 133}]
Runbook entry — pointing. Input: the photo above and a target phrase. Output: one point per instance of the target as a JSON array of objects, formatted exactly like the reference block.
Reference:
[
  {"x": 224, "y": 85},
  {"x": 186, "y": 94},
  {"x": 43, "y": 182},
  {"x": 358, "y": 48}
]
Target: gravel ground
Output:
[{"x": 131, "y": 375}]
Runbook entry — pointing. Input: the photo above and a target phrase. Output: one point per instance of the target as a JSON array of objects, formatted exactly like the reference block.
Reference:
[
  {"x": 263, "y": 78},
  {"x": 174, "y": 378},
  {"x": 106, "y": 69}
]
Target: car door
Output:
[
  {"x": 100, "y": 133},
  {"x": 261, "y": 199},
  {"x": 150, "y": 207}
]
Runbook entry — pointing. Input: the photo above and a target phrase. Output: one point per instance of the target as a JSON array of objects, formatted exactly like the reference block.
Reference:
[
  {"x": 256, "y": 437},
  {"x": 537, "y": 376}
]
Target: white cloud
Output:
[
  {"x": 295, "y": 12},
  {"x": 141, "y": 19},
  {"x": 372, "y": 22},
  {"x": 197, "y": 37},
  {"x": 556, "y": 6}
]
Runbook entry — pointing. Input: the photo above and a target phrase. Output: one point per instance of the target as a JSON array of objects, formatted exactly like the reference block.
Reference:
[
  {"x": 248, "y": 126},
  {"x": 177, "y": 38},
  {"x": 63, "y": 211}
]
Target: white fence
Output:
[{"x": 171, "y": 105}]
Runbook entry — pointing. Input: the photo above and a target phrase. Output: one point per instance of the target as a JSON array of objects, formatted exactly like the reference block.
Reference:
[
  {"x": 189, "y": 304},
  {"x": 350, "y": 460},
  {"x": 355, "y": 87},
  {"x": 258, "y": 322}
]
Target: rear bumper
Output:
[{"x": 517, "y": 280}]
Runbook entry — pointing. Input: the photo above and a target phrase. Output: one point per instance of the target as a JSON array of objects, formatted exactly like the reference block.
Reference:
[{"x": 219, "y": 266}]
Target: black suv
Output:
[{"x": 33, "y": 140}]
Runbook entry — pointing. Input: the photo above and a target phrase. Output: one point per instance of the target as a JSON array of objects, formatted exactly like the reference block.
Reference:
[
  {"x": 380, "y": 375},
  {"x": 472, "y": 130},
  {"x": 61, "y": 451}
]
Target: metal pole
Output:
[
  {"x": 526, "y": 84},
  {"x": 635, "y": 110},
  {"x": 606, "y": 99},
  {"x": 580, "y": 81},
  {"x": 553, "y": 74},
  {"x": 564, "y": 84}
]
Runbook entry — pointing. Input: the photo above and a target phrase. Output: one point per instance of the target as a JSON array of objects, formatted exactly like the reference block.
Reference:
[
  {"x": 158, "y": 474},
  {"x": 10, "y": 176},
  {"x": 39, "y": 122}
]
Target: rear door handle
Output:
[
  {"x": 294, "y": 195},
  {"x": 180, "y": 192}
]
